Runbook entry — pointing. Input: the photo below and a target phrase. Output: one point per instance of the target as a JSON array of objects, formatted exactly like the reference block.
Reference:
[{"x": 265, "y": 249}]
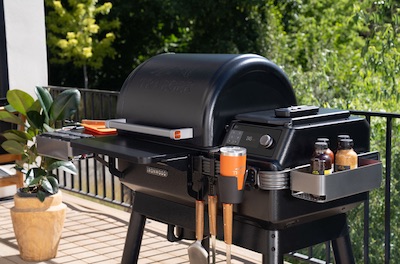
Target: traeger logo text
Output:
[{"x": 156, "y": 171}]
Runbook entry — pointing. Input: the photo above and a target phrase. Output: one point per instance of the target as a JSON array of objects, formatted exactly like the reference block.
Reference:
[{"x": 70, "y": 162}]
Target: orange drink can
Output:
[{"x": 233, "y": 163}]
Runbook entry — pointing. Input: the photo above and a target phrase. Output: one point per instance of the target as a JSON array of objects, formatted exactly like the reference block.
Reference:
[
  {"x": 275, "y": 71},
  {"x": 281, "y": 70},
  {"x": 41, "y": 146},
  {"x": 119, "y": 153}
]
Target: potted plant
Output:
[{"x": 38, "y": 214}]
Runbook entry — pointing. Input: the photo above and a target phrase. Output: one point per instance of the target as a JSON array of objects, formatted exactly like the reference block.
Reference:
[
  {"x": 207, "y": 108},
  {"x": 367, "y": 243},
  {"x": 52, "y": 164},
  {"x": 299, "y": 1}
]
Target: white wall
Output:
[{"x": 26, "y": 44}]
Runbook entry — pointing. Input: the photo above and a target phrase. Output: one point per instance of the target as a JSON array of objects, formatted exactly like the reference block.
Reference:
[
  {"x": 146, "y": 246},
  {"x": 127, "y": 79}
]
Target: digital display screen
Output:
[
  {"x": 251, "y": 140},
  {"x": 245, "y": 139}
]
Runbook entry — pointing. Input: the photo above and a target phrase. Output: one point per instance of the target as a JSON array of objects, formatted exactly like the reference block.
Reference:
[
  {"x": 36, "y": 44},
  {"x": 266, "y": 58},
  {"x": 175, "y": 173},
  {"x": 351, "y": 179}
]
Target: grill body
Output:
[{"x": 226, "y": 100}]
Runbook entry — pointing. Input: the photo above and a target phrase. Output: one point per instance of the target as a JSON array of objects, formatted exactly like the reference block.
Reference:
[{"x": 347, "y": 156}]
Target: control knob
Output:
[{"x": 266, "y": 141}]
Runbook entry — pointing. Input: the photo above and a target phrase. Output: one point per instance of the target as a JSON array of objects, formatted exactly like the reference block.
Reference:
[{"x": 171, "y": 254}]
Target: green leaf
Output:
[
  {"x": 64, "y": 165},
  {"x": 10, "y": 118},
  {"x": 38, "y": 172},
  {"x": 17, "y": 135},
  {"x": 65, "y": 105},
  {"x": 19, "y": 100},
  {"x": 13, "y": 147},
  {"x": 54, "y": 183},
  {"x": 48, "y": 128},
  {"x": 29, "y": 177},
  {"x": 47, "y": 185},
  {"x": 36, "y": 181},
  {"x": 9, "y": 108},
  {"x": 36, "y": 106},
  {"x": 45, "y": 99},
  {"x": 41, "y": 195},
  {"x": 35, "y": 119}
]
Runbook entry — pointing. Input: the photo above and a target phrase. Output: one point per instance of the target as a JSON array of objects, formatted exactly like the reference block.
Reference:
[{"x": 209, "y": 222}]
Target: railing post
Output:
[{"x": 387, "y": 186}]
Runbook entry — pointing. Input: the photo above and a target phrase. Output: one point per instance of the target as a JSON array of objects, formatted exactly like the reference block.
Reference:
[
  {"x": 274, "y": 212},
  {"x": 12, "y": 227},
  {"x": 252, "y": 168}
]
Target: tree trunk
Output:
[{"x": 85, "y": 77}]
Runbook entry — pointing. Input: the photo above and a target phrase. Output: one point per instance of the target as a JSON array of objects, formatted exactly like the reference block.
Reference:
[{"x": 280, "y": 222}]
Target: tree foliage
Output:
[
  {"x": 344, "y": 54},
  {"x": 75, "y": 36}
]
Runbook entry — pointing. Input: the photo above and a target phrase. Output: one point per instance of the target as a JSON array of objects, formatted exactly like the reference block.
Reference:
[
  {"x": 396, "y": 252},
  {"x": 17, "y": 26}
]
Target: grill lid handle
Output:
[{"x": 176, "y": 134}]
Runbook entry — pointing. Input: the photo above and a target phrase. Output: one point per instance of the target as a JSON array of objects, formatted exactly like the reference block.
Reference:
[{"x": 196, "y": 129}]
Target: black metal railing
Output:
[
  {"x": 94, "y": 179},
  {"x": 389, "y": 119}
]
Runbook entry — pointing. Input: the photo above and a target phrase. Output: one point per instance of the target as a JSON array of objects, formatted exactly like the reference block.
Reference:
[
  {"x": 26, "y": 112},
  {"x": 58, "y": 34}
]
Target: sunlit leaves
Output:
[
  {"x": 75, "y": 33},
  {"x": 20, "y": 100}
]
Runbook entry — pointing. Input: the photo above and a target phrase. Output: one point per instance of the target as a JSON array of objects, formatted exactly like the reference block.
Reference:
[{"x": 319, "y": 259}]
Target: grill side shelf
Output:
[
  {"x": 135, "y": 151},
  {"x": 325, "y": 188}
]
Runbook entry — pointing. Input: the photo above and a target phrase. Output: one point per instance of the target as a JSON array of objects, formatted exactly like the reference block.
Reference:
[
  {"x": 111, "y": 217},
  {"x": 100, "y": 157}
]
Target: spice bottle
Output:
[
  {"x": 321, "y": 163},
  {"x": 328, "y": 150},
  {"x": 346, "y": 158}
]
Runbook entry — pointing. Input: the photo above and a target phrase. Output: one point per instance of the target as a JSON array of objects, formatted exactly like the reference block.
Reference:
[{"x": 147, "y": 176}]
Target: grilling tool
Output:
[
  {"x": 212, "y": 216},
  {"x": 198, "y": 254},
  {"x": 231, "y": 182}
]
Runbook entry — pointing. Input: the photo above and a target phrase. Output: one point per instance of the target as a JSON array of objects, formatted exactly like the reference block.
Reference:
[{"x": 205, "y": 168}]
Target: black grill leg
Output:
[
  {"x": 342, "y": 248},
  {"x": 274, "y": 254},
  {"x": 272, "y": 259},
  {"x": 133, "y": 238}
]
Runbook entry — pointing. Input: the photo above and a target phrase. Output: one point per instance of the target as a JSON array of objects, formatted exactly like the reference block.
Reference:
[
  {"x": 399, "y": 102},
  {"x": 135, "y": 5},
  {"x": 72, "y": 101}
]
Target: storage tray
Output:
[{"x": 325, "y": 188}]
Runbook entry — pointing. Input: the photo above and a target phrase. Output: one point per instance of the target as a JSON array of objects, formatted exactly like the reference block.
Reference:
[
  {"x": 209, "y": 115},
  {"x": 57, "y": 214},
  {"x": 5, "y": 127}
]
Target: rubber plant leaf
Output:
[
  {"x": 35, "y": 180},
  {"x": 48, "y": 128},
  {"x": 10, "y": 118},
  {"x": 54, "y": 183},
  {"x": 32, "y": 115},
  {"x": 29, "y": 176},
  {"x": 41, "y": 195},
  {"x": 20, "y": 100},
  {"x": 13, "y": 147},
  {"x": 36, "y": 106},
  {"x": 64, "y": 165},
  {"x": 36, "y": 119},
  {"x": 45, "y": 99},
  {"x": 9, "y": 108},
  {"x": 46, "y": 185},
  {"x": 65, "y": 105},
  {"x": 17, "y": 135},
  {"x": 38, "y": 173}
]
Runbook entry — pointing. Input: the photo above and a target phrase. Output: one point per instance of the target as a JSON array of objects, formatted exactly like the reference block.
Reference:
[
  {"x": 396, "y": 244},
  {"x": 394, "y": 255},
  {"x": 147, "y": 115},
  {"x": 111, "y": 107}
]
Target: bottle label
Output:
[
  {"x": 322, "y": 172},
  {"x": 342, "y": 167},
  {"x": 318, "y": 167}
]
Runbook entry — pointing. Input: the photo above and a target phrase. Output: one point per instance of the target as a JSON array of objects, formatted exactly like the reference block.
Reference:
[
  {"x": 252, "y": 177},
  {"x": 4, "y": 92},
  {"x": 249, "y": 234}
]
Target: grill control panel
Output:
[{"x": 258, "y": 140}]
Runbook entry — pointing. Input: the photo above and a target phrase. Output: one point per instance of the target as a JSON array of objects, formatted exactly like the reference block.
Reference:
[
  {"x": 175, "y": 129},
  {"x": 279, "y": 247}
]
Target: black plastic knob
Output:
[{"x": 266, "y": 141}]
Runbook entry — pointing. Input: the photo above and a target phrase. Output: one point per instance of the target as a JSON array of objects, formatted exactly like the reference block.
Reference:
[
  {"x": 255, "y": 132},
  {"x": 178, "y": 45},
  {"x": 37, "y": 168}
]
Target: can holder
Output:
[
  {"x": 325, "y": 188},
  {"x": 228, "y": 191}
]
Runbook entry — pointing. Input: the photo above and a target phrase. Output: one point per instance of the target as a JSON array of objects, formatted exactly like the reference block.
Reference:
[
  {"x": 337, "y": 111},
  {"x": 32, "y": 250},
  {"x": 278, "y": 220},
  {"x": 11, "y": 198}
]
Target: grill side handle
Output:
[
  {"x": 111, "y": 164},
  {"x": 176, "y": 134}
]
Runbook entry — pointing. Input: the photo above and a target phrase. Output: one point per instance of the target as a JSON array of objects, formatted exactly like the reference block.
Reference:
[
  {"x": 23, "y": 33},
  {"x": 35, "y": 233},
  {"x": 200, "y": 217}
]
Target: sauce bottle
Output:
[
  {"x": 340, "y": 137},
  {"x": 328, "y": 150},
  {"x": 321, "y": 163},
  {"x": 346, "y": 158}
]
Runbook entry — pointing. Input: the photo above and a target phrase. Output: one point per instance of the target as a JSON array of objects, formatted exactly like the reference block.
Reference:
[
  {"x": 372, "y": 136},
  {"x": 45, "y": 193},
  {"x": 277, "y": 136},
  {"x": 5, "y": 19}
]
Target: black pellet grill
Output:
[{"x": 176, "y": 110}]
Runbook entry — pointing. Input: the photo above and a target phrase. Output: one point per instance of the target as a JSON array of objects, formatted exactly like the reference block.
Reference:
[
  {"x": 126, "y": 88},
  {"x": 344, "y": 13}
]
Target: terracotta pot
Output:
[{"x": 38, "y": 226}]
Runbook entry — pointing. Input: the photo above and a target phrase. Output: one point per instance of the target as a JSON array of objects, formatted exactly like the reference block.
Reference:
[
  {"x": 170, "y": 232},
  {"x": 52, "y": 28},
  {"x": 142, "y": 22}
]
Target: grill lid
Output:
[{"x": 202, "y": 92}]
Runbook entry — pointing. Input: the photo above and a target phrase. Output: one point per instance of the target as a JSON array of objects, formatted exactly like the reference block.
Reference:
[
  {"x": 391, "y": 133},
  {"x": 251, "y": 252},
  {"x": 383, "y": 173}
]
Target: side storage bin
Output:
[{"x": 325, "y": 188}]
